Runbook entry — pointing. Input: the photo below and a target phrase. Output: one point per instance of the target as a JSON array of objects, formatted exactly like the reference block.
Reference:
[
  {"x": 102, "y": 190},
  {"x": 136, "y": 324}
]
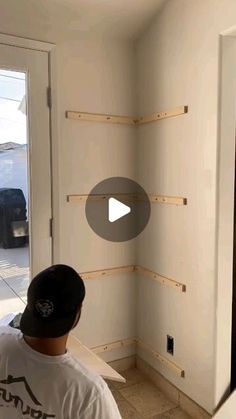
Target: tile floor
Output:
[{"x": 139, "y": 398}]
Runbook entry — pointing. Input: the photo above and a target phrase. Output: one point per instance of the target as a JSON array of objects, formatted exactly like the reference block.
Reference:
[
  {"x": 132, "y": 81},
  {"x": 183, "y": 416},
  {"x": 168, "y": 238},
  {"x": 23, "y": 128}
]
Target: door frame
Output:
[
  {"x": 233, "y": 355},
  {"x": 50, "y": 48},
  {"x": 224, "y": 224}
]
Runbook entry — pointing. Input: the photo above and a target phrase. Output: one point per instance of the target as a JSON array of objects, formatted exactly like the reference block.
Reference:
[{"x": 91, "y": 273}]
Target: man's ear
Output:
[
  {"x": 79, "y": 313},
  {"x": 77, "y": 317}
]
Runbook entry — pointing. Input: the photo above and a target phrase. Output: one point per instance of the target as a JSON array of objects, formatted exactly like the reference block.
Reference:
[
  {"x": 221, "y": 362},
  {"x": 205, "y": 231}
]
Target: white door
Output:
[{"x": 17, "y": 66}]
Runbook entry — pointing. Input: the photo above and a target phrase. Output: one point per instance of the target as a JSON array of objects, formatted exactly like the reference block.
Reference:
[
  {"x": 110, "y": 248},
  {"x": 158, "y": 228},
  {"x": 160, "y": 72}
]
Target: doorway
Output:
[
  {"x": 25, "y": 172},
  {"x": 233, "y": 349}
]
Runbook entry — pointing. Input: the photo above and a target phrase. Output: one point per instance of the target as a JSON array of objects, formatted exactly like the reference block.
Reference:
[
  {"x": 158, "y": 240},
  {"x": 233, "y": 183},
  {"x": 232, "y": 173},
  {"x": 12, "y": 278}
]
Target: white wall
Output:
[
  {"x": 96, "y": 76},
  {"x": 225, "y": 213},
  {"x": 177, "y": 60}
]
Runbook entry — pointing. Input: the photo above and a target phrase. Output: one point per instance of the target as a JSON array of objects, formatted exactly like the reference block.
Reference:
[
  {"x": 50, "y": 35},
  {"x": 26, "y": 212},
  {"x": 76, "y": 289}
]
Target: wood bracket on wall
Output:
[
  {"x": 107, "y": 272},
  {"x": 126, "y": 120},
  {"x": 114, "y": 345},
  {"x": 165, "y": 361},
  {"x": 98, "y": 117},
  {"x": 162, "y": 115},
  {"x": 155, "y": 199},
  {"x": 134, "y": 268},
  {"x": 140, "y": 344},
  {"x": 160, "y": 278}
]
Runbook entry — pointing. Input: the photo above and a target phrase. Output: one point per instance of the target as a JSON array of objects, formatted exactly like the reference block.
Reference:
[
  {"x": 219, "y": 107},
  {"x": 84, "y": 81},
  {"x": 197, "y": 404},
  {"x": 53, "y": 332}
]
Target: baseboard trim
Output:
[{"x": 172, "y": 392}]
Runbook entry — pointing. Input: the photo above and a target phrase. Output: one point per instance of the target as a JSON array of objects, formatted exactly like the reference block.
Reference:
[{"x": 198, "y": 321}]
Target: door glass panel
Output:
[{"x": 14, "y": 208}]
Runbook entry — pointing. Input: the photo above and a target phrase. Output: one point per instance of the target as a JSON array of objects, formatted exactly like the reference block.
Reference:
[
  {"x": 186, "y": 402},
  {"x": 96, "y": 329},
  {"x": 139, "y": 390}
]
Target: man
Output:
[{"x": 38, "y": 376}]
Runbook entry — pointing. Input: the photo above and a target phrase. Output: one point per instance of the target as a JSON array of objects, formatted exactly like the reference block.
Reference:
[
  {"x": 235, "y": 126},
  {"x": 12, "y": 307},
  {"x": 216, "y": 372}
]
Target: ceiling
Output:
[{"x": 53, "y": 20}]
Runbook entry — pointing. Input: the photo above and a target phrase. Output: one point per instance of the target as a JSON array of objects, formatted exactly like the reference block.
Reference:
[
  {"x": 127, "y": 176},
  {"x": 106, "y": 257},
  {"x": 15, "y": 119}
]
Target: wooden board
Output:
[
  {"x": 175, "y": 200},
  {"x": 92, "y": 361},
  {"x": 134, "y": 268},
  {"x": 160, "y": 278},
  {"x": 155, "y": 199},
  {"x": 162, "y": 115},
  {"x": 169, "y": 364},
  {"x": 228, "y": 409},
  {"x": 127, "y": 120},
  {"x": 107, "y": 272},
  {"x": 101, "y": 197},
  {"x": 97, "y": 117},
  {"x": 114, "y": 345}
]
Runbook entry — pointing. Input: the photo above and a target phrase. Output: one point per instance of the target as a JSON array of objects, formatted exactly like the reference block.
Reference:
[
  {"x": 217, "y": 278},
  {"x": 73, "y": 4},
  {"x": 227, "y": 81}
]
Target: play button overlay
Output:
[{"x": 118, "y": 209}]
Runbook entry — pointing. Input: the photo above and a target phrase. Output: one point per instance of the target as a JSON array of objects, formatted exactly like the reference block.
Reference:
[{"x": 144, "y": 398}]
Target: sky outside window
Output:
[{"x": 12, "y": 119}]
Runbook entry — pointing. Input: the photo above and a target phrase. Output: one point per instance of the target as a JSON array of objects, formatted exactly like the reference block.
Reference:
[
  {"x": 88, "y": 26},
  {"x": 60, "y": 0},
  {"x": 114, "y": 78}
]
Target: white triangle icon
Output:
[{"x": 117, "y": 210}]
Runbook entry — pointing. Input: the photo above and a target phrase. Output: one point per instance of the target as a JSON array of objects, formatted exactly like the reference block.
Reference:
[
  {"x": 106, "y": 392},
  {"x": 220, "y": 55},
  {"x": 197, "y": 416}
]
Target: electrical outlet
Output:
[{"x": 170, "y": 345}]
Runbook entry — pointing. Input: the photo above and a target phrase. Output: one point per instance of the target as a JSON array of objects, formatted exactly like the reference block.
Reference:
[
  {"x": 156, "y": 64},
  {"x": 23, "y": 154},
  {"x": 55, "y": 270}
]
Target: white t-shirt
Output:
[{"x": 33, "y": 385}]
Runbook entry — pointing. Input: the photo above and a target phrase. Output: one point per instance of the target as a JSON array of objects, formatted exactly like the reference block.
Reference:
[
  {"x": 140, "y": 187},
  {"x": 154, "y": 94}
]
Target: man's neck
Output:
[{"x": 48, "y": 346}]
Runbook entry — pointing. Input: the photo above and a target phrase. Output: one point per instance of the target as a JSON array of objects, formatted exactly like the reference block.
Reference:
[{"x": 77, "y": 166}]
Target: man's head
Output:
[{"x": 54, "y": 303}]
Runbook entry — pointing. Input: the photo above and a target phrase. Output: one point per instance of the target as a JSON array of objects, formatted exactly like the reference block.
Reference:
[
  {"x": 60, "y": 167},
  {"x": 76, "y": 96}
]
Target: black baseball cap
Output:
[{"x": 53, "y": 300}]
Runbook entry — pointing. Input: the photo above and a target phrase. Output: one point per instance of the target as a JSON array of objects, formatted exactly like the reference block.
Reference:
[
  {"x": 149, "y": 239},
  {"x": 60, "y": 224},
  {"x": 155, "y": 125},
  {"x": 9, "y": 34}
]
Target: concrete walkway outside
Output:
[{"x": 14, "y": 279}]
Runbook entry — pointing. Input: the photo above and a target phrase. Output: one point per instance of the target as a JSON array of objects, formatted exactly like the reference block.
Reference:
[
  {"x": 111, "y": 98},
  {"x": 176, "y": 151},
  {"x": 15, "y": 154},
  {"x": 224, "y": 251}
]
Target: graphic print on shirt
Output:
[{"x": 29, "y": 409}]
